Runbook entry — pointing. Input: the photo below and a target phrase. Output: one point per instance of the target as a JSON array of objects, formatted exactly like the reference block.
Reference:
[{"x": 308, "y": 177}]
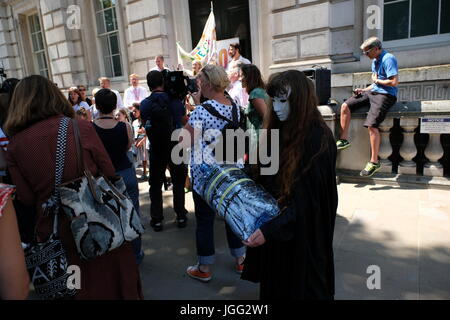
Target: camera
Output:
[
  {"x": 192, "y": 85},
  {"x": 177, "y": 85}
]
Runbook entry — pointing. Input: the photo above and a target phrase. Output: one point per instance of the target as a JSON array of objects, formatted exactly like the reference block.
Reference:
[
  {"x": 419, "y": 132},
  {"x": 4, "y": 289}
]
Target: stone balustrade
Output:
[{"x": 404, "y": 151}]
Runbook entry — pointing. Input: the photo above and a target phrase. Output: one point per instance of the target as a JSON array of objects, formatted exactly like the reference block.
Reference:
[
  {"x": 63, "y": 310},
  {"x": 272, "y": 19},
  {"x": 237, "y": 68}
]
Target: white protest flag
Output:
[{"x": 205, "y": 51}]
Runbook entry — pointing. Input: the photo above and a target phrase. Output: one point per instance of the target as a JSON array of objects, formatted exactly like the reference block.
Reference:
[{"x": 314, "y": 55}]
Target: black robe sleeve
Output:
[{"x": 281, "y": 228}]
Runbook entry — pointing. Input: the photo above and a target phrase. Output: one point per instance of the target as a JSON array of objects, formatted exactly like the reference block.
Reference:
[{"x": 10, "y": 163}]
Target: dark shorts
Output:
[{"x": 379, "y": 104}]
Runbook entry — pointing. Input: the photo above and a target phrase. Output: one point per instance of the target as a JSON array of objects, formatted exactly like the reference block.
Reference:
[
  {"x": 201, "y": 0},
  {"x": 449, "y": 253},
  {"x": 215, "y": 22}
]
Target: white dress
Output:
[{"x": 141, "y": 152}]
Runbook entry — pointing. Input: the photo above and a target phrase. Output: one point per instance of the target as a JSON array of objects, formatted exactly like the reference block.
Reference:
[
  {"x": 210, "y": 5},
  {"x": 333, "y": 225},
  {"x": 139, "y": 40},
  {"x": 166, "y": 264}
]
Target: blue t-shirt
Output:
[{"x": 385, "y": 67}]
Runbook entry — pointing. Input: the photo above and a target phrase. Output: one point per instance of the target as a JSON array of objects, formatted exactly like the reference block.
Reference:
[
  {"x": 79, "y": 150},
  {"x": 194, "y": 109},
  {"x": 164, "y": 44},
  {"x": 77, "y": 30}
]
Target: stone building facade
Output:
[{"x": 77, "y": 41}]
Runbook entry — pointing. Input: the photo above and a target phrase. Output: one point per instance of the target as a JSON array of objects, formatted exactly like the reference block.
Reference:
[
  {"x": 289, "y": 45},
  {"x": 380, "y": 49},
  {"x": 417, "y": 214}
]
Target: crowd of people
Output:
[{"x": 291, "y": 256}]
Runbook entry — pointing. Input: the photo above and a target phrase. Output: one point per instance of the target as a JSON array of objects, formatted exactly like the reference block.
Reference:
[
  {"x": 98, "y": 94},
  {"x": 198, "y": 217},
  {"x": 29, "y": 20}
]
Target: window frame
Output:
[
  {"x": 107, "y": 34},
  {"x": 437, "y": 39},
  {"x": 35, "y": 54}
]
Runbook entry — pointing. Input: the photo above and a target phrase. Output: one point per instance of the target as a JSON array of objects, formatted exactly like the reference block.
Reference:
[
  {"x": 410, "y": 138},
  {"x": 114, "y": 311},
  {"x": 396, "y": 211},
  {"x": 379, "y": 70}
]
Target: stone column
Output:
[
  {"x": 408, "y": 149},
  {"x": 147, "y": 26},
  {"x": 64, "y": 45},
  {"x": 434, "y": 152},
  {"x": 9, "y": 46},
  {"x": 385, "y": 146}
]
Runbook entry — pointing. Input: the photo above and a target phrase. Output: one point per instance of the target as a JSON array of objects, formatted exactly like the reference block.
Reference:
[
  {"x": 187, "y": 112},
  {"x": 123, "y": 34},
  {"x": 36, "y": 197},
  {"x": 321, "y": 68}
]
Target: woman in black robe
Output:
[{"x": 291, "y": 256}]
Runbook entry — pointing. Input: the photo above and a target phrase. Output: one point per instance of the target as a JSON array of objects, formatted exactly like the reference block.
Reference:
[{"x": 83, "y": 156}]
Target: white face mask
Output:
[{"x": 281, "y": 106}]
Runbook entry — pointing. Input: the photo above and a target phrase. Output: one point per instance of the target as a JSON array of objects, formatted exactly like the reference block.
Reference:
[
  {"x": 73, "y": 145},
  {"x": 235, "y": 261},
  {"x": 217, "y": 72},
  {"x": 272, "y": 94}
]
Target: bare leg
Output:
[
  {"x": 144, "y": 166},
  {"x": 187, "y": 183},
  {"x": 375, "y": 140},
  {"x": 345, "y": 121}
]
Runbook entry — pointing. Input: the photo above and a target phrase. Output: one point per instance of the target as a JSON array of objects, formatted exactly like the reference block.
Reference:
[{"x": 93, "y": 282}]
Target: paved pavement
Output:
[{"x": 404, "y": 231}]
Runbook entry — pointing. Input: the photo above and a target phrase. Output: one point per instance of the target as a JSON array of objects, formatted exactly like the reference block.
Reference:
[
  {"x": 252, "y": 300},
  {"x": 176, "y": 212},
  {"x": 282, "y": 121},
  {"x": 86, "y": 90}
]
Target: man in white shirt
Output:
[
  {"x": 105, "y": 83},
  {"x": 135, "y": 93},
  {"x": 159, "y": 61},
  {"x": 235, "y": 90},
  {"x": 234, "y": 51}
]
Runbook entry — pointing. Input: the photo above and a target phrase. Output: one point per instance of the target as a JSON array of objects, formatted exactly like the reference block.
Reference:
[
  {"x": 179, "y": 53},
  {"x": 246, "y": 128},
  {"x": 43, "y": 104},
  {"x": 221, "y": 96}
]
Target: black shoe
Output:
[
  {"x": 182, "y": 223},
  {"x": 370, "y": 169},
  {"x": 342, "y": 144},
  {"x": 157, "y": 226}
]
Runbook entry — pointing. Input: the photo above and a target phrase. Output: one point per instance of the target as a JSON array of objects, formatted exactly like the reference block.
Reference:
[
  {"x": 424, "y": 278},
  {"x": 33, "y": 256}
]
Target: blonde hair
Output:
[
  {"x": 134, "y": 75},
  {"x": 125, "y": 113},
  {"x": 194, "y": 63},
  {"x": 371, "y": 43},
  {"x": 104, "y": 79},
  {"x": 94, "y": 91},
  {"x": 216, "y": 76},
  {"x": 35, "y": 99}
]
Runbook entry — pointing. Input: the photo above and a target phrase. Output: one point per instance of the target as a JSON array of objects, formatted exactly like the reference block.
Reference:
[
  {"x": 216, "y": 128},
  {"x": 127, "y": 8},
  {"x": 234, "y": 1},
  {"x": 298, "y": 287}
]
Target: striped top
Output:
[
  {"x": 4, "y": 140},
  {"x": 5, "y": 193}
]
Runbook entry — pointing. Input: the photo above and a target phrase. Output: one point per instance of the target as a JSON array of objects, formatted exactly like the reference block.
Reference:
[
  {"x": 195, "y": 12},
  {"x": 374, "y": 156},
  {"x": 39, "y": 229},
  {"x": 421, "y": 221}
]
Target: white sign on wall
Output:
[{"x": 435, "y": 125}]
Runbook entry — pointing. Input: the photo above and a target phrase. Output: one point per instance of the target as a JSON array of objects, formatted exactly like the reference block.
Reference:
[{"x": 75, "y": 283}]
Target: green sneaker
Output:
[
  {"x": 370, "y": 169},
  {"x": 342, "y": 144}
]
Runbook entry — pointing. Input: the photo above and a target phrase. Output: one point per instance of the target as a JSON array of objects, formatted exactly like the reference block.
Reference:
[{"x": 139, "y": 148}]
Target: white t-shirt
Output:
[
  {"x": 242, "y": 59},
  {"x": 119, "y": 99},
  {"x": 239, "y": 94},
  {"x": 82, "y": 104},
  {"x": 94, "y": 112},
  {"x": 130, "y": 96},
  {"x": 203, "y": 120}
]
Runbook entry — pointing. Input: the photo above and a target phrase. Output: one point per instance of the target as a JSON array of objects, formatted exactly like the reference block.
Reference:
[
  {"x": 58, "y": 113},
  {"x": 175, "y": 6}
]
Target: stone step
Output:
[{"x": 414, "y": 181}]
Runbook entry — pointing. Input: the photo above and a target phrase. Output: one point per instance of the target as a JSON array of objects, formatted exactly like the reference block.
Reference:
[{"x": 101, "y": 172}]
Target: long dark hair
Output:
[
  {"x": 303, "y": 116},
  {"x": 35, "y": 99},
  {"x": 252, "y": 77}
]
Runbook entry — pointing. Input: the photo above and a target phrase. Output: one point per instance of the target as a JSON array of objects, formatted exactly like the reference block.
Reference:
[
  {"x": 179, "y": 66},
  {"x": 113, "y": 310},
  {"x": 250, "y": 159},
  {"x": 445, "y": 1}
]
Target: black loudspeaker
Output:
[{"x": 322, "y": 81}]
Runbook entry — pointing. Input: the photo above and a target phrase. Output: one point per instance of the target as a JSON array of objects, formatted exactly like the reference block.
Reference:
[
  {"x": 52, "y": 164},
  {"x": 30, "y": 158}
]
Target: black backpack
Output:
[
  {"x": 159, "y": 127},
  {"x": 234, "y": 124}
]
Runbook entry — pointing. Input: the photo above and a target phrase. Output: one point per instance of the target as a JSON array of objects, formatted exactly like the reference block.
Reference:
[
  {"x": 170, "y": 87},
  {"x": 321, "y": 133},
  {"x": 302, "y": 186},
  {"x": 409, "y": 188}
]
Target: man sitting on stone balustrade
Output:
[{"x": 381, "y": 95}]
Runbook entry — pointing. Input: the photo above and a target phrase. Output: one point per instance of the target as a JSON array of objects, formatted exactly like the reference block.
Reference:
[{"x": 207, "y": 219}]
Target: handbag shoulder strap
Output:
[
  {"x": 84, "y": 170},
  {"x": 53, "y": 204},
  {"x": 210, "y": 109}
]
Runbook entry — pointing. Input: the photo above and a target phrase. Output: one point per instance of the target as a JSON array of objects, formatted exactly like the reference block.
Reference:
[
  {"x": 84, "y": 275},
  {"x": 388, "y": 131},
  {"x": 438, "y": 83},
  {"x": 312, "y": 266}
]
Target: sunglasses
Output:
[
  {"x": 82, "y": 90},
  {"x": 367, "y": 52}
]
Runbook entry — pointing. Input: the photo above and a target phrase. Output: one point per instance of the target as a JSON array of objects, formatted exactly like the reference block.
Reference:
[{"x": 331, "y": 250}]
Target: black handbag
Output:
[{"x": 47, "y": 262}]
